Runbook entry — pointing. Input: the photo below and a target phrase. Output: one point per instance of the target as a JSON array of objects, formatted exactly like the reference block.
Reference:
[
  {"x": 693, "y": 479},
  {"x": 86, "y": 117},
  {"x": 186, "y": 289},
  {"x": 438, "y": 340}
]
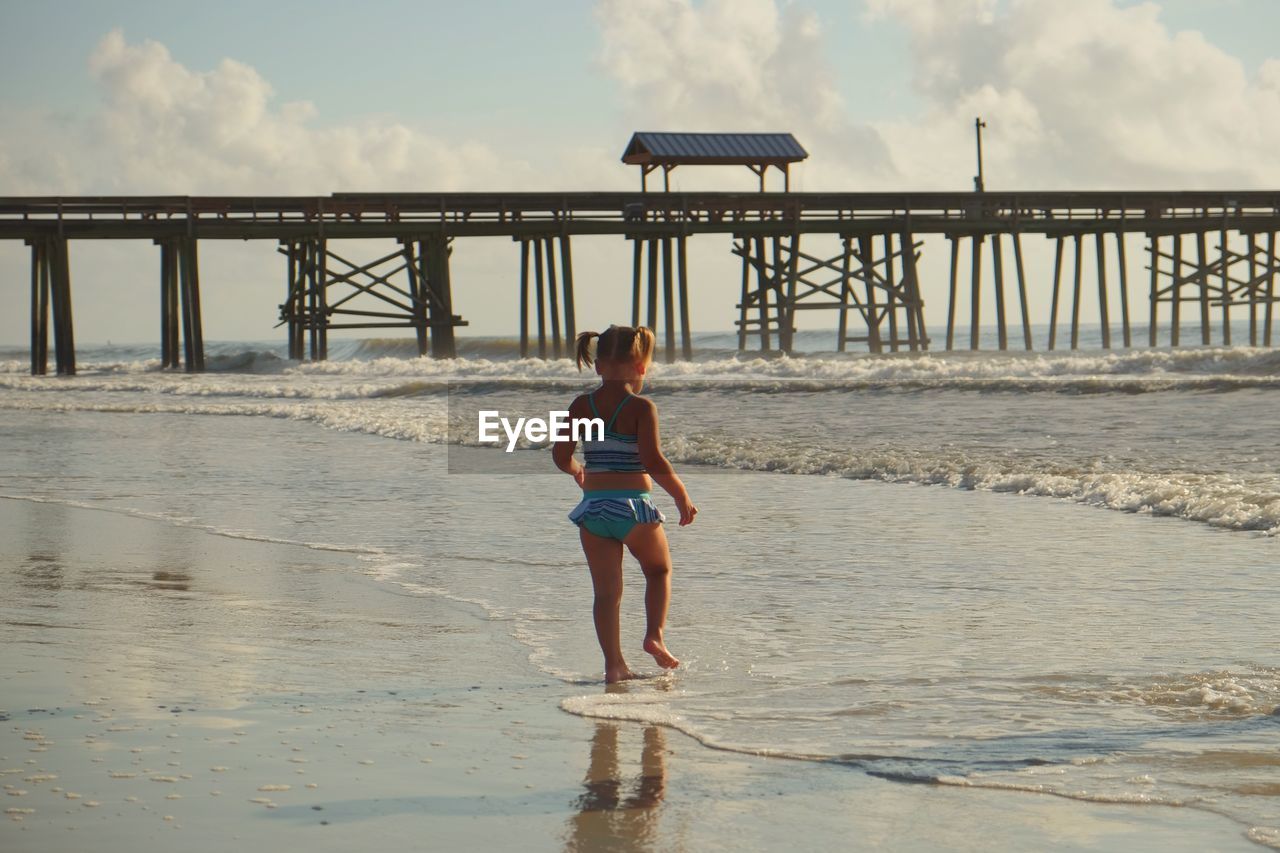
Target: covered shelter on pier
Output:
[{"x": 756, "y": 151}]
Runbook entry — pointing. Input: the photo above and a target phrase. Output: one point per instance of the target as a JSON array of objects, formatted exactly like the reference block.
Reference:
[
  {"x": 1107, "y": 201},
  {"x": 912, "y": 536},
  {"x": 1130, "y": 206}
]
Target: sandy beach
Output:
[{"x": 163, "y": 685}]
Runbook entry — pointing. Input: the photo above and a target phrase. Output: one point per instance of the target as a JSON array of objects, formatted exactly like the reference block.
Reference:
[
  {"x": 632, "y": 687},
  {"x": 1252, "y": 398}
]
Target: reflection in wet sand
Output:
[
  {"x": 41, "y": 572},
  {"x": 179, "y": 581},
  {"x": 613, "y": 813}
]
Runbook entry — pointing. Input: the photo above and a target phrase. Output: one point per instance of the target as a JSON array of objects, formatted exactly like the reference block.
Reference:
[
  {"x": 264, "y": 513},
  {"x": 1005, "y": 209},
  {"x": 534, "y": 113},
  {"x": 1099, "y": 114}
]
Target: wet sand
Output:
[{"x": 166, "y": 686}]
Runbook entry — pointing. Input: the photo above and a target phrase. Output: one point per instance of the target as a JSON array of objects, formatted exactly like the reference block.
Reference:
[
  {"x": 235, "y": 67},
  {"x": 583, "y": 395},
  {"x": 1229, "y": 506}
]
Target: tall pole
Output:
[{"x": 978, "y": 184}]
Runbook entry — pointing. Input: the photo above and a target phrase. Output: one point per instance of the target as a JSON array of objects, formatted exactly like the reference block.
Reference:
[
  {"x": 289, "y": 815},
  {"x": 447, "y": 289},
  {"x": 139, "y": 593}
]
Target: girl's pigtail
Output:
[
  {"x": 642, "y": 345},
  {"x": 583, "y": 352}
]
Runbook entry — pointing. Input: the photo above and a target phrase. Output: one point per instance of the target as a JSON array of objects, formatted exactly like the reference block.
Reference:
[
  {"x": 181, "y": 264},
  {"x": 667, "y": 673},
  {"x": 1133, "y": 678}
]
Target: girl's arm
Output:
[
  {"x": 562, "y": 452},
  {"x": 657, "y": 465}
]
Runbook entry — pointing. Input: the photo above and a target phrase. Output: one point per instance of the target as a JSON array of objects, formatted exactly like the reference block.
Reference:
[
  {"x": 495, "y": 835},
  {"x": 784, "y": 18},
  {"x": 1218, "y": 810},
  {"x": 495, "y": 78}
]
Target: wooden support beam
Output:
[
  {"x": 1022, "y": 289},
  {"x": 302, "y": 295},
  {"x": 1124, "y": 290},
  {"x": 46, "y": 298},
  {"x": 1272, "y": 260},
  {"x": 1175, "y": 293},
  {"x": 762, "y": 284},
  {"x": 686, "y": 342},
  {"x": 636, "y": 269},
  {"x": 1057, "y": 281},
  {"x": 745, "y": 251},
  {"x": 566, "y": 272},
  {"x": 787, "y": 302},
  {"x": 552, "y": 284},
  {"x": 1226, "y": 289},
  {"x": 375, "y": 279},
  {"x": 892, "y": 300},
  {"x": 917, "y": 339},
  {"x": 1075, "y": 299},
  {"x": 322, "y": 298},
  {"x": 1202, "y": 277},
  {"x": 188, "y": 300},
  {"x": 975, "y": 294},
  {"x": 300, "y": 289},
  {"x": 443, "y": 342},
  {"x": 286, "y": 307},
  {"x": 417, "y": 294},
  {"x": 951, "y": 301},
  {"x": 39, "y": 308},
  {"x": 1154, "y": 318},
  {"x": 540, "y": 298},
  {"x": 997, "y": 256},
  {"x": 55, "y": 300},
  {"x": 524, "y": 297},
  {"x": 1102, "y": 290},
  {"x": 60, "y": 293},
  {"x": 1254, "y": 285},
  {"x": 313, "y": 295},
  {"x": 36, "y": 315},
  {"x": 175, "y": 306},
  {"x": 866, "y": 248},
  {"x": 668, "y": 300},
  {"x": 164, "y": 302},
  {"x": 652, "y": 305},
  {"x": 845, "y": 291}
]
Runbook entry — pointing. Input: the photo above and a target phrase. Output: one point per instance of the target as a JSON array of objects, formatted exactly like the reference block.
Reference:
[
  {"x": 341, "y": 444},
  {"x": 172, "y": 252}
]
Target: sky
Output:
[{"x": 315, "y": 97}]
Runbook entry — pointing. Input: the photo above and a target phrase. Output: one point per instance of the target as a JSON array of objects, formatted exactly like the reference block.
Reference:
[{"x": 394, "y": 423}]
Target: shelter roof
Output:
[{"x": 733, "y": 149}]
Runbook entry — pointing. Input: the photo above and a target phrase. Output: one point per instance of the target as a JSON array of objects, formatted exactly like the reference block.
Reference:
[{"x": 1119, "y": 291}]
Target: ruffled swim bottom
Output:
[{"x": 613, "y": 513}]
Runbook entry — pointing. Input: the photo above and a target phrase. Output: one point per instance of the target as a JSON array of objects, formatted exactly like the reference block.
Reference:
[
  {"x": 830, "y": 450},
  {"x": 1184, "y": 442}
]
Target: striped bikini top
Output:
[{"x": 615, "y": 452}]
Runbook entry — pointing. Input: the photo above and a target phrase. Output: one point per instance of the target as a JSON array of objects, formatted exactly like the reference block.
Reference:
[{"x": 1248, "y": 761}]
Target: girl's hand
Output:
[
  {"x": 687, "y": 512},
  {"x": 579, "y": 476}
]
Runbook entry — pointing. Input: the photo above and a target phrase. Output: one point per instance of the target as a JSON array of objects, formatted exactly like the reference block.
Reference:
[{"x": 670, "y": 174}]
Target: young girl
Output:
[{"x": 616, "y": 509}]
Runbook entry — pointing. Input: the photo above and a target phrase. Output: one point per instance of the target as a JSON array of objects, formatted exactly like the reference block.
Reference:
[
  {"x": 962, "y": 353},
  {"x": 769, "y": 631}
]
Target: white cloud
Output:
[
  {"x": 1079, "y": 95},
  {"x": 164, "y": 128},
  {"x": 735, "y": 65}
]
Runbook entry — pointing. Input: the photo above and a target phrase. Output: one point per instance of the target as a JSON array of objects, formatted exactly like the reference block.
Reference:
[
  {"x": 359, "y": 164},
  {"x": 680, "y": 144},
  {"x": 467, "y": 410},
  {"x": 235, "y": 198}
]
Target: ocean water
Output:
[{"x": 1047, "y": 573}]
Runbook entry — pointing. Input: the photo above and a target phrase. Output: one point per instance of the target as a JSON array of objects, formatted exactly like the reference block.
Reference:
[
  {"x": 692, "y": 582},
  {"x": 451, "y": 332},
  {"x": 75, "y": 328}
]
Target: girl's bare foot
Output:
[
  {"x": 653, "y": 645},
  {"x": 614, "y": 674}
]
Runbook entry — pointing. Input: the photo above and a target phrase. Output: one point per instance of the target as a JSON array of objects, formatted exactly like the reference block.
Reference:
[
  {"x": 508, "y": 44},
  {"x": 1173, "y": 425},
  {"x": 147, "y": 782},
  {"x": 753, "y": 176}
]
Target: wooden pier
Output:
[{"x": 854, "y": 254}]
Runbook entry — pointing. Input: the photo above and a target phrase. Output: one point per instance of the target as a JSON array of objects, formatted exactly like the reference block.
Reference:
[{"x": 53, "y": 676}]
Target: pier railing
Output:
[{"x": 103, "y": 216}]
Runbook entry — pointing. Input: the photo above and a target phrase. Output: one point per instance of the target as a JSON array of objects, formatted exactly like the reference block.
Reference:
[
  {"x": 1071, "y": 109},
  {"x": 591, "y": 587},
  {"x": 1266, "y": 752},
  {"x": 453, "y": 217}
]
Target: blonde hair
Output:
[{"x": 617, "y": 344}]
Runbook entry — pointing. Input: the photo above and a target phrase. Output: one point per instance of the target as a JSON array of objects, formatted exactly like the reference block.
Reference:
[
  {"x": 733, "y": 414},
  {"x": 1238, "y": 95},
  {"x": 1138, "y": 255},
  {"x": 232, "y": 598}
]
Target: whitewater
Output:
[{"x": 1184, "y": 433}]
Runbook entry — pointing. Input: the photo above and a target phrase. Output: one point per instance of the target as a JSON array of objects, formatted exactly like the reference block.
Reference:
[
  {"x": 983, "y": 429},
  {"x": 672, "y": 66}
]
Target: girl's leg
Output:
[
  {"x": 604, "y": 557},
  {"x": 648, "y": 544}
]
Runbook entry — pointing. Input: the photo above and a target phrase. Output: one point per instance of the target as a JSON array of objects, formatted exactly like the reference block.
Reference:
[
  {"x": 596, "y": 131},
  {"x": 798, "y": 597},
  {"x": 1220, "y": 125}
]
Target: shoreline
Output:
[{"x": 148, "y": 666}]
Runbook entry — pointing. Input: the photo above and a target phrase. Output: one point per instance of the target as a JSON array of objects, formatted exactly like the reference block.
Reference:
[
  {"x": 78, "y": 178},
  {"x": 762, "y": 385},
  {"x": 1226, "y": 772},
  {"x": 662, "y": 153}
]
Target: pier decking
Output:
[{"x": 852, "y": 253}]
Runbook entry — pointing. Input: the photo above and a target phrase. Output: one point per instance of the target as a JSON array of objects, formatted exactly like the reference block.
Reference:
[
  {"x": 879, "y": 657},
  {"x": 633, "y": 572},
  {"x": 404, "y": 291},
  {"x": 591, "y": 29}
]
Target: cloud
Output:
[
  {"x": 734, "y": 65},
  {"x": 164, "y": 128},
  {"x": 1079, "y": 95}
]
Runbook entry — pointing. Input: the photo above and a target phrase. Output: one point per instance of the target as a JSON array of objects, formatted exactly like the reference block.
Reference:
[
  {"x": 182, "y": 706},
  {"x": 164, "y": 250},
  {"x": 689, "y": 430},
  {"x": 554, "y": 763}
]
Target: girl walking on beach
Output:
[{"x": 616, "y": 507}]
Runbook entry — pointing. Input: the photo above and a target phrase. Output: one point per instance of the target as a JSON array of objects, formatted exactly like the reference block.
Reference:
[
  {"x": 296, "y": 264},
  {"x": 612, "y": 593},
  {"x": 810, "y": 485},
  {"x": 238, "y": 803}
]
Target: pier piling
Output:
[
  {"x": 1123, "y": 268},
  {"x": 1103, "y": 310},
  {"x": 997, "y": 257},
  {"x": 661, "y": 262},
  {"x": 1227, "y": 265},
  {"x": 975, "y": 293},
  {"x": 552, "y": 294},
  {"x": 1057, "y": 282},
  {"x": 51, "y": 294},
  {"x": 1022, "y": 290},
  {"x": 954, "y": 281}
]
